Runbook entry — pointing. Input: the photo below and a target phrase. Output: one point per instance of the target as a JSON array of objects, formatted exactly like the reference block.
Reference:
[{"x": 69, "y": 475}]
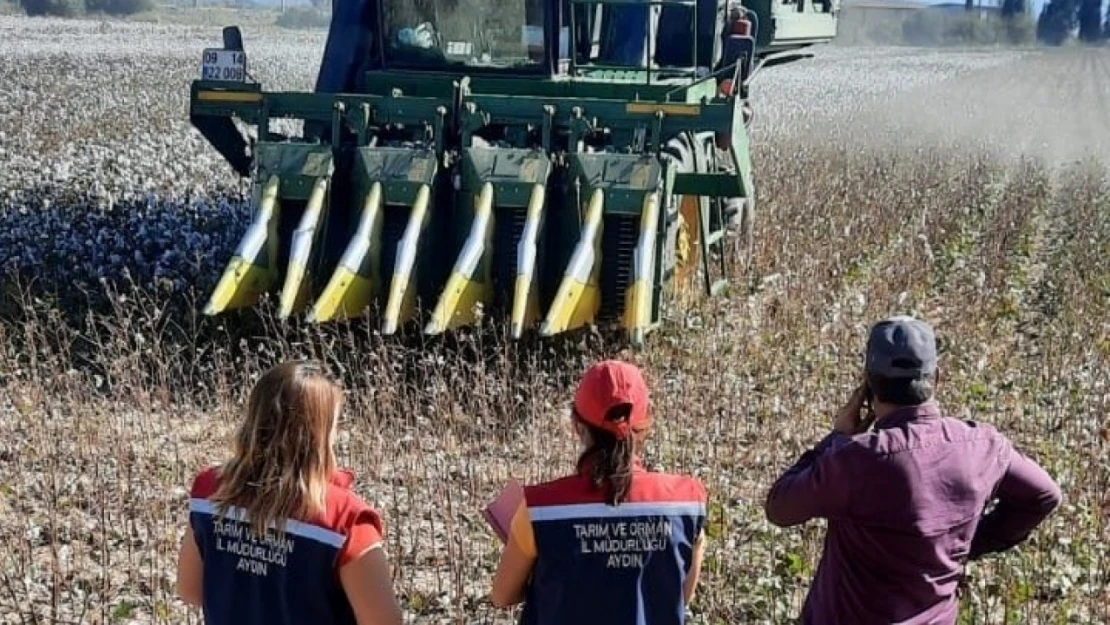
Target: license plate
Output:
[{"x": 224, "y": 65}]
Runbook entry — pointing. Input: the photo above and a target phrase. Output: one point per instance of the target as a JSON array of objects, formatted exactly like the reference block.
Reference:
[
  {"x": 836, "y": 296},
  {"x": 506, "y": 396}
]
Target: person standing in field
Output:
[
  {"x": 276, "y": 536},
  {"x": 905, "y": 501},
  {"x": 611, "y": 543}
]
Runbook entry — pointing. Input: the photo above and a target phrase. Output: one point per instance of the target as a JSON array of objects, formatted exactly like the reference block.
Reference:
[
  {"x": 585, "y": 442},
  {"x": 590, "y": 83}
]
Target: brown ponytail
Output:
[{"x": 610, "y": 459}]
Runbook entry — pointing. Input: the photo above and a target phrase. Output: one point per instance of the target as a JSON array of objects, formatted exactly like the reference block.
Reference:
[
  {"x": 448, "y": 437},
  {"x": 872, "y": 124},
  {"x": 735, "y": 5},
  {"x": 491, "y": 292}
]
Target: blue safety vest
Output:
[
  {"x": 613, "y": 565},
  {"x": 275, "y": 580}
]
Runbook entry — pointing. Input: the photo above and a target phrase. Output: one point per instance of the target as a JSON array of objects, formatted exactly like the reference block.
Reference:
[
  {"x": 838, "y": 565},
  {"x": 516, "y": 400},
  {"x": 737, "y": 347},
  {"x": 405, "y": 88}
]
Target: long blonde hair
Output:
[{"x": 282, "y": 461}]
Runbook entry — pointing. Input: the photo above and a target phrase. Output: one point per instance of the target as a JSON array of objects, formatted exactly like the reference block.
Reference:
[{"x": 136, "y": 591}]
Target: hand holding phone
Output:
[
  {"x": 869, "y": 408},
  {"x": 848, "y": 419}
]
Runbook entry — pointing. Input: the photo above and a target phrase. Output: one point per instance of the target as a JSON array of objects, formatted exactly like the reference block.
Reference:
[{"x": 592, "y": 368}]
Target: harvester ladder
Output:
[{"x": 714, "y": 239}]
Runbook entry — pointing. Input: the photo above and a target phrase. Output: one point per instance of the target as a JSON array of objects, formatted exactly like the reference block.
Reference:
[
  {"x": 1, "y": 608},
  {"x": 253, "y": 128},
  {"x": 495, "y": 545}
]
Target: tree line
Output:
[
  {"x": 73, "y": 8},
  {"x": 1059, "y": 20}
]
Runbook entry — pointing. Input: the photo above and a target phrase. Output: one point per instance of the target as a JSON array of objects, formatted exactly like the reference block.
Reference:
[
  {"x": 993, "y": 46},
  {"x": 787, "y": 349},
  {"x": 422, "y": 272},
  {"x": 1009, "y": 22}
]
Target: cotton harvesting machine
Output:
[{"x": 550, "y": 164}]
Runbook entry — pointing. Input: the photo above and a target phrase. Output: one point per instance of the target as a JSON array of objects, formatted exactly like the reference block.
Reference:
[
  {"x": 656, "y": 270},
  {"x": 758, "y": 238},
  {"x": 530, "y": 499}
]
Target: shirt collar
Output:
[
  {"x": 928, "y": 410},
  {"x": 343, "y": 478}
]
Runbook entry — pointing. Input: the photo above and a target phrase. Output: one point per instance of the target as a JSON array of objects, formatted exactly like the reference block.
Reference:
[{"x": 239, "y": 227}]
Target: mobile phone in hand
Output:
[{"x": 868, "y": 418}]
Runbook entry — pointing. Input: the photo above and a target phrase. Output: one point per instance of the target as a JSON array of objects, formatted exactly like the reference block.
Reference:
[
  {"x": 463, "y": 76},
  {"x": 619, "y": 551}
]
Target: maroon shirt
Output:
[{"x": 905, "y": 510}]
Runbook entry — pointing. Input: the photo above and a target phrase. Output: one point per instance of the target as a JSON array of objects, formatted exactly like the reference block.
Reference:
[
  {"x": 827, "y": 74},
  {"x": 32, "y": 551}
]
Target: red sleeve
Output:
[
  {"x": 703, "y": 492},
  {"x": 364, "y": 533},
  {"x": 204, "y": 483}
]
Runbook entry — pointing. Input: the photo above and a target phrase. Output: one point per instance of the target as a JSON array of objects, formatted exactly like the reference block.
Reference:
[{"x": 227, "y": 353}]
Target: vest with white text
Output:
[
  {"x": 617, "y": 565},
  {"x": 280, "y": 580}
]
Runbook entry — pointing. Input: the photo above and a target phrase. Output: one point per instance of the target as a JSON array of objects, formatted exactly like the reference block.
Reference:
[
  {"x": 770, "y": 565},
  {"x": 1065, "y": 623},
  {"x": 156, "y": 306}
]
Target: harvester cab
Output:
[{"x": 549, "y": 164}]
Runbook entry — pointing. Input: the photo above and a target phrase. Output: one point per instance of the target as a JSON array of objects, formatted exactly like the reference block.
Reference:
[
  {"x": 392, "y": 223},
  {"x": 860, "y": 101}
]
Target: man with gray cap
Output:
[{"x": 904, "y": 489}]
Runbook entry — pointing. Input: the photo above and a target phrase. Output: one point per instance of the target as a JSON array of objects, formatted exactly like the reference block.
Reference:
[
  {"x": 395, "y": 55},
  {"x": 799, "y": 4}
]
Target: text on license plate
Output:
[{"x": 229, "y": 65}]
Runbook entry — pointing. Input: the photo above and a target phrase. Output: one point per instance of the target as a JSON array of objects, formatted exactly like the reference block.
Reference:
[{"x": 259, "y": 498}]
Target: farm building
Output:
[
  {"x": 957, "y": 8},
  {"x": 874, "y": 21}
]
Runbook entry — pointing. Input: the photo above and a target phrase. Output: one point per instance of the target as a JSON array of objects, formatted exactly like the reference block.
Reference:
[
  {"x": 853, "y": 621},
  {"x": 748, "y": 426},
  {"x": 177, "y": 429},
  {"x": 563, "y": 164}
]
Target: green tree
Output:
[
  {"x": 1056, "y": 21},
  {"x": 1090, "y": 20},
  {"x": 1011, "y": 8},
  {"x": 120, "y": 7},
  {"x": 57, "y": 8}
]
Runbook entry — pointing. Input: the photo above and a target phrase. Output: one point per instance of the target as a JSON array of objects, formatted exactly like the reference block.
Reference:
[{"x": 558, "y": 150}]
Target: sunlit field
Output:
[{"x": 970, "y": 188}]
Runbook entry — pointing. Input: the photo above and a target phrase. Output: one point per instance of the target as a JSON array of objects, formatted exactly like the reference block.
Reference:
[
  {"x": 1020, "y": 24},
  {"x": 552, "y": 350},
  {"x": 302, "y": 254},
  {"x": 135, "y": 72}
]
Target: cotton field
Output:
[{"x": 970, "y": 187}]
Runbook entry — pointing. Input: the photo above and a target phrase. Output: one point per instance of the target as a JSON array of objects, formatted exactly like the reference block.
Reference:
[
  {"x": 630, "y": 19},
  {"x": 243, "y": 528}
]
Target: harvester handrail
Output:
[
  {"x": 710, "y": 76},
  {"x": 758, "y": 63},
  {"x": 653, "y": 70}
]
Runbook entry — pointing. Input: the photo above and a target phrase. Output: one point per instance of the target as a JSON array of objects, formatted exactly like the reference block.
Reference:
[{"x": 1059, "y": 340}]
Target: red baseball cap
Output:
[{"x": 606, "y": 385}]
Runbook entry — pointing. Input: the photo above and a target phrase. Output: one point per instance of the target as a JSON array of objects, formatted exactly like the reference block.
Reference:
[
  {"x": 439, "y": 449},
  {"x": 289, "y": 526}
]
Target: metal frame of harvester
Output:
[{"x": 558, "y": 193}]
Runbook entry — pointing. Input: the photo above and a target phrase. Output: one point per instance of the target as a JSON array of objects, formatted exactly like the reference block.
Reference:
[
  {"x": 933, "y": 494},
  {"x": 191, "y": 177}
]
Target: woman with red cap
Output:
[{"x": 612, "y": 543}]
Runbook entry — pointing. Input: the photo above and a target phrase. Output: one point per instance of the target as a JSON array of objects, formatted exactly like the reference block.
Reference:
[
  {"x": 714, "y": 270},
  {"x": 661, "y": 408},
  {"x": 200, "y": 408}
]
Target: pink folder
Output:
[{"x": 499, "y": 512}]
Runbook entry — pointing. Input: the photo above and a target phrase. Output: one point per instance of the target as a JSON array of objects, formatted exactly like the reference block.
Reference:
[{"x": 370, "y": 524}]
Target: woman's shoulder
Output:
[
  {"x": 346, "y": 507},
  {"x": 352, "y": 517},
  {"x": 683, "y": 478},
  {"x": 555, "y": 484},
  {"x": 680, "y": 485},
  {"x": 205, "y": 482},
  {"x": 568, "y": 489}
]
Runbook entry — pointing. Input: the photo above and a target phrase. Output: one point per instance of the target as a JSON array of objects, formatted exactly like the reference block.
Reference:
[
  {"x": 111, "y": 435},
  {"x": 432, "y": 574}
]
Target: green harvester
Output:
[{"x": 555, "y": 163}]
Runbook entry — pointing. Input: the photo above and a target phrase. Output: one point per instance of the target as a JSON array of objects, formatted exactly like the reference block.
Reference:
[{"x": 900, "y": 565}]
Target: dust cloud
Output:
[{"x": 1051, "y": 105}]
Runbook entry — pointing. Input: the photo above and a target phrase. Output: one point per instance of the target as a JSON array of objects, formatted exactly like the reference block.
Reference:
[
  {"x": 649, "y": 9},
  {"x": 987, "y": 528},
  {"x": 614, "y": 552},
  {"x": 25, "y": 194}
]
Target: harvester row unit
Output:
[{"x": 550, "y": 165}]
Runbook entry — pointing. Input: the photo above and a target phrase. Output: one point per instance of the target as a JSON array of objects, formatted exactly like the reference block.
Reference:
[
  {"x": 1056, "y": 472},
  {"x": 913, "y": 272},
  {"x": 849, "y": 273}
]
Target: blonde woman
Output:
[{"x": 276, "y": 536}]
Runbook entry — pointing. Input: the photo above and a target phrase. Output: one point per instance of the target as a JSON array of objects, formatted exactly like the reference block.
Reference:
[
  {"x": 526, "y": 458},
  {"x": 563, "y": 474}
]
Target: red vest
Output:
[{"x": 617, "y": 565}]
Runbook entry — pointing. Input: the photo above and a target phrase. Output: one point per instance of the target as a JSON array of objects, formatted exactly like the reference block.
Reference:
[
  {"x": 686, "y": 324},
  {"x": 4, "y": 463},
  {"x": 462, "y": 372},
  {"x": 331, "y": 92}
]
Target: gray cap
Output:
[{"x": 901, "y": 347}]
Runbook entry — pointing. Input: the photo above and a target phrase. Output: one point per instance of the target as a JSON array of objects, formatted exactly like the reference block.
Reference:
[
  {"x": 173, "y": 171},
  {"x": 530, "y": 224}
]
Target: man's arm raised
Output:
[
  {"x": 819, "y": 483},
  {"x": 817, "y": 486}
]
